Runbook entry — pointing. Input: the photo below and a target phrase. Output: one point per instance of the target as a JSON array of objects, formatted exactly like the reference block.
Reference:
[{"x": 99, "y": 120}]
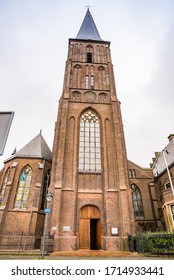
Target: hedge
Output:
[{"x": 153, "y": 242}]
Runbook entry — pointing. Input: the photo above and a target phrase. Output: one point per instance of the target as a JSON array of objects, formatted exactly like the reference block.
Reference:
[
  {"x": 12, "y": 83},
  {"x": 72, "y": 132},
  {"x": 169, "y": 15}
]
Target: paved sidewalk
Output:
[{"x": 85, "y": 255}]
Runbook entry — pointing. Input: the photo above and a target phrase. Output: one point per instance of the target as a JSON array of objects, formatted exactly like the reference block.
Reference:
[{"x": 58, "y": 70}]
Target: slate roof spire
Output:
[
  {"x": 88, "y": 29},
  {"x": 36, "y": 148}
]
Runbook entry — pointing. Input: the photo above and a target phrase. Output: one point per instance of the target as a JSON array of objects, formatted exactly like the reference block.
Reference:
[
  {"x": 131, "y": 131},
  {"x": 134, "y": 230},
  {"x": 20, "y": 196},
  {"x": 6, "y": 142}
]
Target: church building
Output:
[
  {"x": 99, "y": 196},
  {"x": 89, "y": 168}
]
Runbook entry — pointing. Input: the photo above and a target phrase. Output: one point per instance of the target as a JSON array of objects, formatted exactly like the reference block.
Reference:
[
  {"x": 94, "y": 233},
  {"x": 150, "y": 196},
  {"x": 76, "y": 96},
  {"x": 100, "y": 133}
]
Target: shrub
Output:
[{"x": 154, "y": 242}]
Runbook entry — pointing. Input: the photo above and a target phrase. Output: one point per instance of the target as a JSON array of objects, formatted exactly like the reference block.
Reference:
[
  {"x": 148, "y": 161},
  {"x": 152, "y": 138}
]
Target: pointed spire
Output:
[
  {"x": 88, "y": 29},
  {"x": 37, "y": 147}
]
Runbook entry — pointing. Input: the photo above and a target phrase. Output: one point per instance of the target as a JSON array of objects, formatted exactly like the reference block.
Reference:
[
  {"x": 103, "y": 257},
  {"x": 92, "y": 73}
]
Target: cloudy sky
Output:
[{"x": 33, "y": 50}]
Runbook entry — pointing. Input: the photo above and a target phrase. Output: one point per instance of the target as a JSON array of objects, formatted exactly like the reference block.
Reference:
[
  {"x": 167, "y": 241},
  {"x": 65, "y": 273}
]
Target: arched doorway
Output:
[{"x": 89, "y": 228}]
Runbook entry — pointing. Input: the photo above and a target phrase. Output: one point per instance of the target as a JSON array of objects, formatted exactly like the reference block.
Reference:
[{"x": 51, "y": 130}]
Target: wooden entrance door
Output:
[{"x": 89, "y": 228}]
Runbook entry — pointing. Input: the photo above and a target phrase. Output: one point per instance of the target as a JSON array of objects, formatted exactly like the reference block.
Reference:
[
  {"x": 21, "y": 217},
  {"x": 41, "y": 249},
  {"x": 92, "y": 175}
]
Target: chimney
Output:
[{"x": 170, "y": 137}]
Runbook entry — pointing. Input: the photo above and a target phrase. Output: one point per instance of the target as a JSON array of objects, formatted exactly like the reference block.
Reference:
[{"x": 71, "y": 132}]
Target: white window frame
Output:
[
  {"x": 165, "y": 186},
  {"x": 172, "y": 214}
]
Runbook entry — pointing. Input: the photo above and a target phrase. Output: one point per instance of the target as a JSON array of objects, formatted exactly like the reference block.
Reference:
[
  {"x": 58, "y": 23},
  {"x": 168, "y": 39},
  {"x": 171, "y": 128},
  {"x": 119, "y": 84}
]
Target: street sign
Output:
[
  {"x": 47, "y": 210},
  {"x": 5, "y": 124}
]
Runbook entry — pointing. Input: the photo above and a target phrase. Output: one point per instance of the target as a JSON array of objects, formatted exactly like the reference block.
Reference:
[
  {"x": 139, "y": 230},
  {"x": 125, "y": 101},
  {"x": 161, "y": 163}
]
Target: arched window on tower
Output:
[
  {"x": 46, "y": 184},
  {"x": 6, "y": 178},
  {"x": 137, "y": 202},
  {"x": 23, "y": 188},
  {"x": 89, "y": 54},
  {"x": 89, "y": 142}
]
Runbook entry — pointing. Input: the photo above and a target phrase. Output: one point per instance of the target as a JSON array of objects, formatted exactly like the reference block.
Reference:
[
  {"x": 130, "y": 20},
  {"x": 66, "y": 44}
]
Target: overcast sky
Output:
[{"x": 33, "y": 50}]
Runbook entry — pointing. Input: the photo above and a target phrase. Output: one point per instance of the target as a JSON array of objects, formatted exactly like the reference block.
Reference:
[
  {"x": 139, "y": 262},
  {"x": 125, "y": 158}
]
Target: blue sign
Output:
[{"x": 47, "y": 210}]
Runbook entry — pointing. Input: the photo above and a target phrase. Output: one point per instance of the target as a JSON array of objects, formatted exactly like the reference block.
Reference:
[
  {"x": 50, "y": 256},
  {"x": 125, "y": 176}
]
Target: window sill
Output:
[{"x": 90, "y": 172}]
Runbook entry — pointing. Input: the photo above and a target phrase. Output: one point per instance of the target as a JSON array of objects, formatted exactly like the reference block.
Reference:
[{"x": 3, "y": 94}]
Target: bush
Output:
[{"x": 154, "y": 242}]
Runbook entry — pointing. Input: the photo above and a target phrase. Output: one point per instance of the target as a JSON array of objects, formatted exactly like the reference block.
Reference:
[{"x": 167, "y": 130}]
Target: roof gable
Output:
[{"x": 159, "y": 165}]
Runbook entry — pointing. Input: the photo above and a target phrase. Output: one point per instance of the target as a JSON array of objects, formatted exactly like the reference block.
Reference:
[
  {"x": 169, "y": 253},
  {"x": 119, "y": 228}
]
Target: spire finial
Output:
[
  {"x": 88, "y": 6},
  {"x": 14, "y": 152}
]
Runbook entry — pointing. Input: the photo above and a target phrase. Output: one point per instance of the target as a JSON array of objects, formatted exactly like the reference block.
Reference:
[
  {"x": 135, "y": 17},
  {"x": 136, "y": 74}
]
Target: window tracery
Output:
[{"x": 89, "y": 142}]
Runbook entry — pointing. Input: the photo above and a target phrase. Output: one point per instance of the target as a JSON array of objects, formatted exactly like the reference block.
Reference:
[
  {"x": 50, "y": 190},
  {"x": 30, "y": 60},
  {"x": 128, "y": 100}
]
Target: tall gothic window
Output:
[
  {"x": 23, "y": 188},
  {"x": 46, "y": 184},
  {"x": 6, "y": 178},
  {"x": 89, "y": 142},
  {"x": 137, "y": 202}
]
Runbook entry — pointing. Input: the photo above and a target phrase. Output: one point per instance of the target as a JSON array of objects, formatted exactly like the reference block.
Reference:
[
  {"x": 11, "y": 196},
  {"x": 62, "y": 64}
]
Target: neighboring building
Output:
[
  {"x": 144, "y": 198},
  {"x": 99, "y": 197},
  {"x": 24, "y": 184},
  {"x": 164, "y": 182}
]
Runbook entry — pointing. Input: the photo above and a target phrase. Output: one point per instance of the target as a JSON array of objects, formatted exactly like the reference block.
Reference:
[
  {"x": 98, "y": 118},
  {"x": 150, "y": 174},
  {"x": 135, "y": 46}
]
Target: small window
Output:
[
  {"x": 92, "y": 82},
  {"x": 172, "y": 211},
  {"x": 130, "y": 173},
  {"x": 89, "y": 57},
  {"x": 87, "y": 82},
  {"x": 133, "y": 173},
  {"x": 167, "y": 186}
]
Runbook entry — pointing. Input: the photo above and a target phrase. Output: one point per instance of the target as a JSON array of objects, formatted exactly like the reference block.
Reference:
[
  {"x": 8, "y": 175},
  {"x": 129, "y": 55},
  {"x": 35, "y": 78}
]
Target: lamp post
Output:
[
  {"x": 49, "y": 197},
  {"x": 168, "y": 172}
]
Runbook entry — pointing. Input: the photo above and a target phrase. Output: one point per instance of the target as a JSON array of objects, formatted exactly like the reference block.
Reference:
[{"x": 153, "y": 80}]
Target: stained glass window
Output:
[
  {"x": 137, "y": 202},
  {"x": 89, "y": 142},
  {"x": 23, "y": 188},
  {"x": 6, "y": 178}
]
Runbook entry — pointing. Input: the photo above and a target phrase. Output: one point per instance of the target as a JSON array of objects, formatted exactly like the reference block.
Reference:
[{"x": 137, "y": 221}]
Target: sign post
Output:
[{"x": 5, "y": 124}]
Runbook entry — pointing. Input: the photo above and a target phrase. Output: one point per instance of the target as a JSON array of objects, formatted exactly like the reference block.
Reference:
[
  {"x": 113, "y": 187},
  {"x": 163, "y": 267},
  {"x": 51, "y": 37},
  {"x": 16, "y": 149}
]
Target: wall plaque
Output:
[
  {"x": 66, "y": 228},
  {"x": 114, "y": 231}
]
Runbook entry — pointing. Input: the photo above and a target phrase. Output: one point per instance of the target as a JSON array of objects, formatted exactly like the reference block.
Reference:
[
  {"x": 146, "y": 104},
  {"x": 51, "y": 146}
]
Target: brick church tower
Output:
[{"x": 92, "y": 204}]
